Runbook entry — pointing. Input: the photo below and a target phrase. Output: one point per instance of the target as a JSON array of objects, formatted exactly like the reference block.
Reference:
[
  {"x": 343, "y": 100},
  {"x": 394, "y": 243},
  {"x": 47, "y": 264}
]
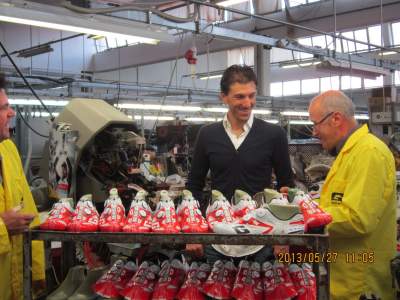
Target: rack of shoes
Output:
[
  {"x": 317, "y": 242},
  {"x": 235, "y": 225}
]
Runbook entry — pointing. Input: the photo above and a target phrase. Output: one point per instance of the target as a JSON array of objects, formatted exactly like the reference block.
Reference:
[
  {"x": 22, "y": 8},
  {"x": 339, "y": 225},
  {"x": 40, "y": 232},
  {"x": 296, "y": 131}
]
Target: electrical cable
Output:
[
  {"x": 382, "y": 42},
  {"x": 119, "y": 75},
  {"x": 208, "y": 62},
  {"x": 24, "y": 79},
  {"x": 29, "y": 126},
  {"x": 335, "y": 23},
  {"x": 169, "y": 85}
]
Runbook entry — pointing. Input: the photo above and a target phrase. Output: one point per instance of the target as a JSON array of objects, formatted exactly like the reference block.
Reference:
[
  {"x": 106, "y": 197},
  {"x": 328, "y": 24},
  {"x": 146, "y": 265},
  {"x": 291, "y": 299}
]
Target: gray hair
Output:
[{"x": 336, "y": 101}]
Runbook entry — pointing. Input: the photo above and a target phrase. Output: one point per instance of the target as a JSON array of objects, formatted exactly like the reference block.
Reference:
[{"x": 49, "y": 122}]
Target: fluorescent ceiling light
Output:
[
  {"x": 361, "y": 117},
  {"x": 354, "y": 69},
  {"x": 216, "y": 109},
  {"x": 299, "y": 64},
  {"x": 44, "y": 114},
  {"x": 158, "y": 107},
  {"x": 180, "y": 108},
  {"x": 200, "y": 119},
  {"x": 295, "y": 113},
  {"x": 35, "y": 51},
  {"x": 161, "y": 118},
  {"x": 261, "y": 111},
  {"x": 388, "y": 53},
  {"x": 231, "y": 2},
  {"x": 210, "y": 77},
  {"x": 309, "y": 64},
  {"x": 36, "y": 102},
  {"x": 57, "y": 18},
  {"x": 300, "y": 122},
  {"x": 289, "y": 66}
]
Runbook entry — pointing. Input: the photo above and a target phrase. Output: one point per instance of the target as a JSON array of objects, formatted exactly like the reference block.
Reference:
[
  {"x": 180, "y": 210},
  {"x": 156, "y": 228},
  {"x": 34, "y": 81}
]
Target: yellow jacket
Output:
[
  {"x": 14, "y": 189},
  {"x": 359, "y": 192}
]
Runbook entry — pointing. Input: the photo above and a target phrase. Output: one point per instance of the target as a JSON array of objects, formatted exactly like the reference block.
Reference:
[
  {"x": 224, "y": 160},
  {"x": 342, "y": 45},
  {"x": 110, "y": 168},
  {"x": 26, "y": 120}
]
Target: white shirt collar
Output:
[{"x": 247, "y": 126}]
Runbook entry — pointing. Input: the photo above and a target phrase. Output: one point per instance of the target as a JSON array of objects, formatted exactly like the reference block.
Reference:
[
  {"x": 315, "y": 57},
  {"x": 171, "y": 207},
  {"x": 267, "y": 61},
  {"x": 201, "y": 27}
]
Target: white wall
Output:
[
  {"x": 71, "y": 56},
  {"x": 75, "y": 56},
  {"x": 160, "y": 73}
]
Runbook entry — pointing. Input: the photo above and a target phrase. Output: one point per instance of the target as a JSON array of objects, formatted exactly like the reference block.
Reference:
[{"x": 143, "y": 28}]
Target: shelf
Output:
[{"x": 316, "y": 241}]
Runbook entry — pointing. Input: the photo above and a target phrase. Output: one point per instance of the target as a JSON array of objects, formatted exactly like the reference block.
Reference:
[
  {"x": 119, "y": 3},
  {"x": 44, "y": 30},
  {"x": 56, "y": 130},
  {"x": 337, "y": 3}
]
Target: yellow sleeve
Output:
[
  {"x": 364, "y": 200},
  {"x": 38, "y": 268},
  {"x": 5, "y": 245}
]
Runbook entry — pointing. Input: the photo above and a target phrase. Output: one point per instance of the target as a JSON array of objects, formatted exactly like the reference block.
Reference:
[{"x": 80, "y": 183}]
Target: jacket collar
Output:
[
  {"x": 349, "y": 144},
  {"x": 354, "y": 138}
]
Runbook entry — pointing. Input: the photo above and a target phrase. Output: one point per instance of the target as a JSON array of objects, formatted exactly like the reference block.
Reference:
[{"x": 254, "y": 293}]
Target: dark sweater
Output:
[{"x": 248, "y": 168}]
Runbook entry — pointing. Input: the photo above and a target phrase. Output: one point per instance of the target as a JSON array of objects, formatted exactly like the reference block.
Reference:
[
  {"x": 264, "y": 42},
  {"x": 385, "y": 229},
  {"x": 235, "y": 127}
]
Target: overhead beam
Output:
[
  {"x": 239, "y": 34},
  {"x": 349, "y": 16}
]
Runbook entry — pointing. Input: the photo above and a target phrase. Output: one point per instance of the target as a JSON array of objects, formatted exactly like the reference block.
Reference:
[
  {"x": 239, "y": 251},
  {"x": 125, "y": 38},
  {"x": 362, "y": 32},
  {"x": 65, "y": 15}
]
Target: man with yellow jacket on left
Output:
[{"x": 17, "y": 213}]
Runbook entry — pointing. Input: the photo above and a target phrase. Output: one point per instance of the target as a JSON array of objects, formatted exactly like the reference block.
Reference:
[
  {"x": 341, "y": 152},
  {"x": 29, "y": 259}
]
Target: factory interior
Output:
[{"x": 113, "y": 107}]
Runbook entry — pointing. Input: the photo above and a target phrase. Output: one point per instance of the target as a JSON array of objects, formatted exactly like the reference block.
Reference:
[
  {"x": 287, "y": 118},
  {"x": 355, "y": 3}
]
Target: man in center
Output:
[{"x": 241, "y": 151}]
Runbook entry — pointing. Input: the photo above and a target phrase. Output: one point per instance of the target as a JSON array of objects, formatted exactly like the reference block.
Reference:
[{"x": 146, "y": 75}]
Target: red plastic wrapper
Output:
[
  {"x": 141, "y": 285},
  {"x": 171, "y": 278},
  {"x": 220, "y": 282},
  {"x": 192, "y": 286}
]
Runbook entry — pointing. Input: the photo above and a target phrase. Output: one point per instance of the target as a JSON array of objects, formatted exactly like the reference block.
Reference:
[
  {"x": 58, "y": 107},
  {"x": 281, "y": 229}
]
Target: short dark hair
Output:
[
  {"x": 237, "y": 73},
  {"x": 2, "y": 81}
]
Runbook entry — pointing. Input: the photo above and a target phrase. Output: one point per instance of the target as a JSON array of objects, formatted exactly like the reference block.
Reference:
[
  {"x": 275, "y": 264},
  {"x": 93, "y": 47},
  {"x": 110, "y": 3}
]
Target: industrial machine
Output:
[{"x": 108, "y": 151}]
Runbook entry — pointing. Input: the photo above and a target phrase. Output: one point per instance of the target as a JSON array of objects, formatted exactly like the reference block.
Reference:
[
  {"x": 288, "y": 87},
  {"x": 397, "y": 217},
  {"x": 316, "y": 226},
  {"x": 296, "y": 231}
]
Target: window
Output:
[
  {"x": 101, "y": 44},
  {"x": 350, "y": 82},
  {"x": 111, "y": 43},
  {"x": 105, "y": 43},
  {"x": 348, "y": 46},
  {"x": 319, "y": 41},
  {"x": 375, "y": 35},
  {"x": 397, "y": 78},
  {"x": 306, "y": 42},
  {"x": 310, "y": 86},
  {"x": 339, "y": 45},
  {"x": 329, "y": 42},
  {"x": 372, "y": 83},
  {"x": 291, "y": 88},
  {"x": 241, "y": 56},
  {"x": 244, "y": 5},
  {"x": 361, "y": 35},
  {"x": 122, "y": 42},
  {"x": 294, "y": 3},
  {"x": 329, "y": 83},
  {"x": 396, "y": 33},
  {"x": 371, "y": 35},
  {"x": 276, "y": 89},
  {"x": 278, "y": 55}
]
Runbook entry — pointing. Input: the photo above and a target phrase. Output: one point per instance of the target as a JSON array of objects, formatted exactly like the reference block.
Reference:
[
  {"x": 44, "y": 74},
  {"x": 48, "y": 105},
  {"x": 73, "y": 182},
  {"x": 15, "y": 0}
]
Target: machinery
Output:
[{"x": 108, "y": 151}]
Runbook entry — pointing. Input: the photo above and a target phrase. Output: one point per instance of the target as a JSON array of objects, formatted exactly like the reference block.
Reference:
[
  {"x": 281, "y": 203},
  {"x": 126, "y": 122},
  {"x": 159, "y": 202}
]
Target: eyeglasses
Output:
[{"x": 323, "y": 119}]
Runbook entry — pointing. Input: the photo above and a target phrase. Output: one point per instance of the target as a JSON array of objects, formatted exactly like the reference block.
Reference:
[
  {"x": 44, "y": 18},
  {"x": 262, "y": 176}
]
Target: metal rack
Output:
[{"x": 317, "y": 242}]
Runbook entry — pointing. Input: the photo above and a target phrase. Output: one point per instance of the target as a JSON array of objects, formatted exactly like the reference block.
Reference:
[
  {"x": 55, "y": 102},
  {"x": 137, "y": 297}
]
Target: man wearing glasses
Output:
[{"x": 359, "y": 193}]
